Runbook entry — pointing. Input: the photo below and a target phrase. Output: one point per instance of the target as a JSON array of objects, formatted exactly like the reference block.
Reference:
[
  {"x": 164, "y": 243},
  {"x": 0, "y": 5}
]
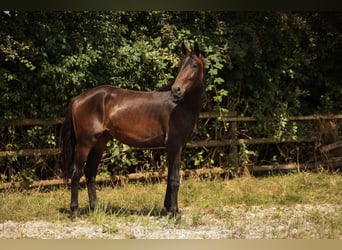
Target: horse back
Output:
[{"x": 136, "y": 118}]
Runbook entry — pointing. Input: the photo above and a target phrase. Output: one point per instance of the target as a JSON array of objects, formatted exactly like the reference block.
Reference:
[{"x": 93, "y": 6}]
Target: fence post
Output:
[
  {"x": 234, "y": 146},
  {"x": 234, "y": 135}
]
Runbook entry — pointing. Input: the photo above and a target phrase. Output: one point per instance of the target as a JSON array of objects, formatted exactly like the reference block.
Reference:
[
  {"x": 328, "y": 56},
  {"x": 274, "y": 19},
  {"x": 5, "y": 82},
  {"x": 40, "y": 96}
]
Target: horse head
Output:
[{"x": 191, "y": 73}]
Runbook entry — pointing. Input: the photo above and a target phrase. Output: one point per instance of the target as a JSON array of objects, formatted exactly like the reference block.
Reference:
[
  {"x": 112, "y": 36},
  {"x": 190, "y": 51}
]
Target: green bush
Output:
[{"x": 270, "y": 65}]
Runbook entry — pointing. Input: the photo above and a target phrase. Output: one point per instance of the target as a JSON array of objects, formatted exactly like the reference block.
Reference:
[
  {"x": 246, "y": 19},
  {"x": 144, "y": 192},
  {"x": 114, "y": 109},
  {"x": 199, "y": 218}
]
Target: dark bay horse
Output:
[{"x": 164, "y": 118}]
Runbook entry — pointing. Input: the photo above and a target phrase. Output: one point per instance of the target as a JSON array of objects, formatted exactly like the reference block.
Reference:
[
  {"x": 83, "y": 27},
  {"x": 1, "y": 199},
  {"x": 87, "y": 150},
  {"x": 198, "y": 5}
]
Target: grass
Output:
[{"x": 201, "y": 202}]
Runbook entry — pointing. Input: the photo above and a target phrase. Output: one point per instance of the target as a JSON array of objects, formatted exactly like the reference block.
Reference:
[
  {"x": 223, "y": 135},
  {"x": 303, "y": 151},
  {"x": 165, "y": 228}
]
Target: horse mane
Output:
[{"x": 166, "y": 87}]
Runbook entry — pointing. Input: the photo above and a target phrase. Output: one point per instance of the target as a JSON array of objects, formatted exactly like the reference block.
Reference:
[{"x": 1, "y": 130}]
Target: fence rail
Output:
[
  {"x": 230, "y": 117},
  {"x": 233, "y": 142}
]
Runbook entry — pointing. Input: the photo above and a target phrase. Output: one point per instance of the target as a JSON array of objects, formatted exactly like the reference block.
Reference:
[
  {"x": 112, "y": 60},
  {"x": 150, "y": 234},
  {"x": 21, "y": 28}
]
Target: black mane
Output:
[{"x": 166, "y": 87}]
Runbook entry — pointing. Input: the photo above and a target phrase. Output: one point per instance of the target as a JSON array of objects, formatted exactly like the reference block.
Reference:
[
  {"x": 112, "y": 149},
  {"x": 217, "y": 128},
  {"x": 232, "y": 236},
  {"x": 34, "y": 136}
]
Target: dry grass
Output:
[{"x": 303, "y": 205}]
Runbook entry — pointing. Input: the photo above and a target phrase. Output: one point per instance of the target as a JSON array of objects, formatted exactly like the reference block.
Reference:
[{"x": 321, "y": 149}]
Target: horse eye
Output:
[{"x": 195, "y": 66}]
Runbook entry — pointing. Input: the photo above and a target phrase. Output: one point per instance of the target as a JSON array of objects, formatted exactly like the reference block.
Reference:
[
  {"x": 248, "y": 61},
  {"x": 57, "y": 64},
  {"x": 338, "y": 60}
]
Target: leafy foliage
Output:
[{"x": 270, "y": 65}]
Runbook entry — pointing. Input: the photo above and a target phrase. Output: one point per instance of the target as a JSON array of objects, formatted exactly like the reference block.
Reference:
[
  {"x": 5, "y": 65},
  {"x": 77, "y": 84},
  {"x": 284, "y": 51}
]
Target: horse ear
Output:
[
  {"x": 196, "y": 49},
  {"x": 185, "y": 49}
]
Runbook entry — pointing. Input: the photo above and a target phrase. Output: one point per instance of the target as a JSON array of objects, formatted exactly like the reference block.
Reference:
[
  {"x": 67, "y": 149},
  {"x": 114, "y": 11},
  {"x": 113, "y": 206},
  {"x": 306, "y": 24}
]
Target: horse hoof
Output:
[
  {"x": 74, "y": 214},
  {"x": 171, "y": 215},
  {"x": 176, "y": 217}
]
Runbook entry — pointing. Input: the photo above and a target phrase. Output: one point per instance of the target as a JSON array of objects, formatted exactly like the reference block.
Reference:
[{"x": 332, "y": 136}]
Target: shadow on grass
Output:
[
  {"x": 156, "y": 212},
  {"x": 123, "y": 212},
  {"x": 110, "y": 209}
]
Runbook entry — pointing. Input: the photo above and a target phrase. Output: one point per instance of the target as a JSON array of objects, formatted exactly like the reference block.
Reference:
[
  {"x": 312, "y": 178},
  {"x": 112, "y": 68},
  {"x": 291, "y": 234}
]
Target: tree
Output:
[{"x": 269, "y": 65}]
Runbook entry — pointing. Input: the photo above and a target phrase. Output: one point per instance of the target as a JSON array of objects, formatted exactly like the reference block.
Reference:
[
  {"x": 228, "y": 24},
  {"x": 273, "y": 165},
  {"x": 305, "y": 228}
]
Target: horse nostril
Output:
[{"x": 176, "y": 90}]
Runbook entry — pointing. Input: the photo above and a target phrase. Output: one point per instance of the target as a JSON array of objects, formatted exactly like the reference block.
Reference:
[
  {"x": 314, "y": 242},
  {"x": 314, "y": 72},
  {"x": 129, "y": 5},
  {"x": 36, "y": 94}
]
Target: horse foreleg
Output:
[
  {"x": 91, "y": 169},
  {"x": 173, "y": 179}
]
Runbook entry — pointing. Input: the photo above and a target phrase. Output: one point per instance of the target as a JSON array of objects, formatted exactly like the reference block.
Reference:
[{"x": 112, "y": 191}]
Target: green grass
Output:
[
  {"x": 200, "y": 201},
  {"x": 277, "y": 190},
  {"x": 147, "y": 199}
]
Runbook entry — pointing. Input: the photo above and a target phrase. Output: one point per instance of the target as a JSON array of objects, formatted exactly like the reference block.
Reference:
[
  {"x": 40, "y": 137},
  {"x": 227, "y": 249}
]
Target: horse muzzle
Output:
[{"x": 177, "y": 93}]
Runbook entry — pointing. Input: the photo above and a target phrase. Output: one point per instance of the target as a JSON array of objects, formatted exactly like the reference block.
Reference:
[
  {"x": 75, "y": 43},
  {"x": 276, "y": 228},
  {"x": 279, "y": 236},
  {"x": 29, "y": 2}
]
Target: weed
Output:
[
  {"x": 110, "y": 229},
  {"x": 196, "y": 219},
  {"x": 99, "y": 215}
]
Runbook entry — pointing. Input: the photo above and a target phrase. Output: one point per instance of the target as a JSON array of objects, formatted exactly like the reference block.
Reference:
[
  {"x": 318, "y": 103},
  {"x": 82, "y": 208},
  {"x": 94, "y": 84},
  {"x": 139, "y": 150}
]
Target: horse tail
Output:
[{"x": 68, "y": 142}]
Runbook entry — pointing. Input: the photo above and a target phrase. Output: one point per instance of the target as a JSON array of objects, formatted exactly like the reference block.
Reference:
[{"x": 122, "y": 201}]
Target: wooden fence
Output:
[
  {"x": 233, "y": 142},
  {"x": 231, "y": 118}
]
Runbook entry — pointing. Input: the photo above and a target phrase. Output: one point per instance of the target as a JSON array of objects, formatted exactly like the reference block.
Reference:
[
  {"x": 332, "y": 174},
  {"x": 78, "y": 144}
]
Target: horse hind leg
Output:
[
  {"x": 91, "y": 167},
  {"x": 80, "y": 157}
]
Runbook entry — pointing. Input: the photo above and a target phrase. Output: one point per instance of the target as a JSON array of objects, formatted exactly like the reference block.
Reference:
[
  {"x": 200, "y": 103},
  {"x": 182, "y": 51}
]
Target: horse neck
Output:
[{"x": 194, "y": 100}]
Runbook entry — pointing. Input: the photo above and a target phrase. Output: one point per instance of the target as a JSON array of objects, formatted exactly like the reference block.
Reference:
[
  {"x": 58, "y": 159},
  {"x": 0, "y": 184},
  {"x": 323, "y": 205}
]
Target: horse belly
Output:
[{"x": 142, "y": 133}]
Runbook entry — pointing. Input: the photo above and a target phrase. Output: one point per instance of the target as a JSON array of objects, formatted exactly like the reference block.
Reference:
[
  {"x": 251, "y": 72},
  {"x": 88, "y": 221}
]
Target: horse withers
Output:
[{"x": 160, "y": 118}]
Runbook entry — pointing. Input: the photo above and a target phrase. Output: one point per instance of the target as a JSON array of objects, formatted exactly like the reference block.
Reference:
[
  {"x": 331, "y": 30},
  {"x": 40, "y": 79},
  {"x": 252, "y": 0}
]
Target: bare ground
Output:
[{"x": 242, "y": 222}]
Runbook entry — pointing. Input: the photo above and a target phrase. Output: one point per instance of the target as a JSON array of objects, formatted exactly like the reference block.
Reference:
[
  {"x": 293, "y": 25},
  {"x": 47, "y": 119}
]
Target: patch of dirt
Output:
[{"x": 299, "y": 221}]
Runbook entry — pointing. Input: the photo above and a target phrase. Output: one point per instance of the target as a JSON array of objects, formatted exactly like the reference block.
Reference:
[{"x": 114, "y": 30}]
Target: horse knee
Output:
[
  {"x": 174, "y": 186},
  {"x": 174, "y": 183}
]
